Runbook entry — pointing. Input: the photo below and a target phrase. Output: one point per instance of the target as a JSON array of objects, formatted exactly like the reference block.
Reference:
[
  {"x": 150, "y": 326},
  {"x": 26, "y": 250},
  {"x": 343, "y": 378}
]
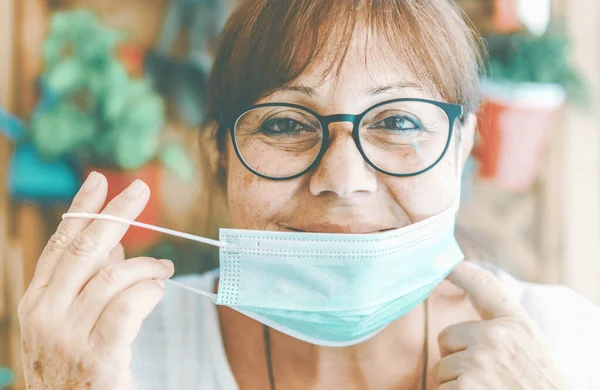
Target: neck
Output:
[{"x": 366, "y": 365}]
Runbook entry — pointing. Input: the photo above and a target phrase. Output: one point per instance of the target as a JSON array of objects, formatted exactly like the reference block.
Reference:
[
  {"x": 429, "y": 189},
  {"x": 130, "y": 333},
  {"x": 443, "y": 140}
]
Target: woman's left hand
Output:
[{"x": 504, "y": 351}]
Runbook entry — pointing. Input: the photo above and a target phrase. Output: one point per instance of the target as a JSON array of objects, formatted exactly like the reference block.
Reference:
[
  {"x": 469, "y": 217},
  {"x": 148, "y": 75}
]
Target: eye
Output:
[
  {"x": 283, "y": 126},
  {"x": 398, "y": 123}
]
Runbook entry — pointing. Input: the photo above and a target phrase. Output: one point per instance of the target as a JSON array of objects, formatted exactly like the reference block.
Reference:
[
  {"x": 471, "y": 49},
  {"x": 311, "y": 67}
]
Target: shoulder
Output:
[{"x": 570, "y": 322}]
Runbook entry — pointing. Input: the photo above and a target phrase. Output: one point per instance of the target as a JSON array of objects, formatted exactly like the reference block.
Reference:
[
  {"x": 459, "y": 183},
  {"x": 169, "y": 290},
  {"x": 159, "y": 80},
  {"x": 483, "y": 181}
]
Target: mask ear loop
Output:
[
  {"x": 211, "y": 296},
  {"x": 459, "y": 156},
  {"x": 171, "y": 232},
  {"x": 147, "y": 226}
]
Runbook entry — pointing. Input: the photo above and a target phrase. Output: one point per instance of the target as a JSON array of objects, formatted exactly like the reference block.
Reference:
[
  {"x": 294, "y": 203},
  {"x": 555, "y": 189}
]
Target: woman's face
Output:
[{"x": 344, "y": 194}]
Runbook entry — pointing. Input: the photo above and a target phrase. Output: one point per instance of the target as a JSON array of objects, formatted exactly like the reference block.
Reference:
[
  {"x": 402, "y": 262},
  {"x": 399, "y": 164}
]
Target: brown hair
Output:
[{"x": 267, "y": 44}]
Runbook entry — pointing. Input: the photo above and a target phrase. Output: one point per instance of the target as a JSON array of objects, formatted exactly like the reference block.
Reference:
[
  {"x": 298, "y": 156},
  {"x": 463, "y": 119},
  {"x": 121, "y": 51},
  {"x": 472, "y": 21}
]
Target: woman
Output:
[{"x": 330, "y": 116}]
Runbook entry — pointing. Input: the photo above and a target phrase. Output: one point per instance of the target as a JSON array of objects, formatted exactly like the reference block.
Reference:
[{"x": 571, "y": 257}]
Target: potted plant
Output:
[
  {"x": 528, "y": 79},
  {"x": 93, "y": 111}
]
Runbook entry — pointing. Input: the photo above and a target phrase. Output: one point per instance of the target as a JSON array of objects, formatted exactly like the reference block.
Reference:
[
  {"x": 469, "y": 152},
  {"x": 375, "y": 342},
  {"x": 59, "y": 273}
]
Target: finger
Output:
[
  {"x": 452, "y": 366},
  {"x": 453, "y": 385},
  {"x": 465, "y": 382},
  {"x": 117, "y": 254},
  {"x": 89, "y": 199},
  {"x": 120, "y": 323},
  {"x": 117, "y": 378},
  {"x": 458, "y": 337},
  {"x": 485, "y": 292},
  {"x": 112, "y": 280},
  {"x": 89, "y": 251}
]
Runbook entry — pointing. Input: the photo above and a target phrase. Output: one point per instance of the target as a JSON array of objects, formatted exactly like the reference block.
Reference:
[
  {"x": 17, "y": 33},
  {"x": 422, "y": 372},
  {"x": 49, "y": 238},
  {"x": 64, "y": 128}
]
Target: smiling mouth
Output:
[{"x": 338, "y": 229}]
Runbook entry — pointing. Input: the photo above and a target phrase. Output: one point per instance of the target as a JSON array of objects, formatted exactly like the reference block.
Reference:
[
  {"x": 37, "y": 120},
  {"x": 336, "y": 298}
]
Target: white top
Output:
[{"x": 180, "y": 348}]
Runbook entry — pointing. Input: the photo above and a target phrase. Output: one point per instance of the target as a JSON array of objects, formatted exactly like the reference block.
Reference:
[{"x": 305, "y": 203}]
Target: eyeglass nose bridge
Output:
[
  {"x": 336, "y": 118},
  {"x": 327, "y": 120}
]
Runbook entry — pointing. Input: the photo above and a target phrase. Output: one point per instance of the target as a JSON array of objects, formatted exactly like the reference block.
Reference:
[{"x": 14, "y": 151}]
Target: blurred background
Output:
[{"x": 118, "y": 86}]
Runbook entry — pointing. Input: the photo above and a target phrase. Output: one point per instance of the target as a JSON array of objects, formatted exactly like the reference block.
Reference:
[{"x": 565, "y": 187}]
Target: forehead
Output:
[{"x": 367, "y": 64}]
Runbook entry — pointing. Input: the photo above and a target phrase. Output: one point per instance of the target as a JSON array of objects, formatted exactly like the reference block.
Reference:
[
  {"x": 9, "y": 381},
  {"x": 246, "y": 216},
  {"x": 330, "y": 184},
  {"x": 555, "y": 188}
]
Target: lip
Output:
[{"x": 363, "y": 228}]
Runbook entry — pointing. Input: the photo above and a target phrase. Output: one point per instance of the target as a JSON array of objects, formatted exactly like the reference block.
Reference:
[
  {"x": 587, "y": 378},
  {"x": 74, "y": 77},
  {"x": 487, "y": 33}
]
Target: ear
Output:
[
  {"x": 224, "y": 153},
  {"x": 467, "y": 133},
  {"x": 216, "y": 159},
  {"x": 223, "y": 162}
]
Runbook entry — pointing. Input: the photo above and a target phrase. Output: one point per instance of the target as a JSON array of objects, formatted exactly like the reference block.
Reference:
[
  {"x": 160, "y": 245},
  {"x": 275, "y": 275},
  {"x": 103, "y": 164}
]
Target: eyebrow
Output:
[
  {"x": 387, "y": 88},
  {"x": 311, "y": 92}
]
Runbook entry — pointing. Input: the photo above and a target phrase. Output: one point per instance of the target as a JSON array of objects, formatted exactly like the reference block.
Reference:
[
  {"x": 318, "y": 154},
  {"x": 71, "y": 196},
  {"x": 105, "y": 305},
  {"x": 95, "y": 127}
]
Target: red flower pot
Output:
[
  {"x": 505, "y": 16},
  {"x": 513, "y": 127},
  {"x": 136, "y": 239}
]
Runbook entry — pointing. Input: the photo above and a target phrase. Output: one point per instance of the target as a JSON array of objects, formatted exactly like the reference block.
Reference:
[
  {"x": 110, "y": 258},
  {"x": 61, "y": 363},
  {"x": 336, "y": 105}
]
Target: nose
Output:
[{"x": 342, "y": 169}]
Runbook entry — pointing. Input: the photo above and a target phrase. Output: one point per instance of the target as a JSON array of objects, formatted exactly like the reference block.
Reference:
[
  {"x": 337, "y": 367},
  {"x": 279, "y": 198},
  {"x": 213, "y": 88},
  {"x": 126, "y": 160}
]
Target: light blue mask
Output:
[
  {"x": 335, "y": 289},
  {"x": 328, "y": 289}
]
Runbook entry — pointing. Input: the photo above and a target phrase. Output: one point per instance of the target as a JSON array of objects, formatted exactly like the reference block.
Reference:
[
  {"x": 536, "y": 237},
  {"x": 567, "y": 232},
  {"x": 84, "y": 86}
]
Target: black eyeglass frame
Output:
[{"x": 452, "y": 111}]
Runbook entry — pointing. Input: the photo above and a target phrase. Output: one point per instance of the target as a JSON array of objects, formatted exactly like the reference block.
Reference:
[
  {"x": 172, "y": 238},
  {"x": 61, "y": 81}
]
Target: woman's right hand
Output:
[{"x": 86, "y": 303}]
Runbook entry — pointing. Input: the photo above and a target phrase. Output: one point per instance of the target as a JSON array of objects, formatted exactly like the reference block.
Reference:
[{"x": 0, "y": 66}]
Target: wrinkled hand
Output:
[
  {"x": 504, "y": 351},
  {"x": 86, "y": 303}
]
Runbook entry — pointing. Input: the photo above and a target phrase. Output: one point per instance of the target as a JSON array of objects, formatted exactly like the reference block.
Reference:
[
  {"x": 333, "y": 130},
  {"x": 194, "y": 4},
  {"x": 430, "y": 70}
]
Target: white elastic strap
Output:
[
  {"x": 459, "y": 155},
  {"x": 213, "y": 297},
  {"x": 146, "y": 226}
]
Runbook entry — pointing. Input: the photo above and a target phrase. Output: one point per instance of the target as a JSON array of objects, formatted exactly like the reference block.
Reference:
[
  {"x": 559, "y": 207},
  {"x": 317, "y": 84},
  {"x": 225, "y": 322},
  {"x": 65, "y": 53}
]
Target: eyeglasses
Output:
[{"x": 400, "y": 137}]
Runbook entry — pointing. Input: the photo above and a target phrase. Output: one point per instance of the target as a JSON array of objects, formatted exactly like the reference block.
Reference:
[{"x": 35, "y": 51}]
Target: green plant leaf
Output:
[
  {"x": 60, "y": 131},
  {"x": 108, "y": 82},
  {"x": 103, "y": 117},
  {"x": 132, "y": 151},
  {"x": 66, "y": 77},
  {"x": 526, "y": 58}
]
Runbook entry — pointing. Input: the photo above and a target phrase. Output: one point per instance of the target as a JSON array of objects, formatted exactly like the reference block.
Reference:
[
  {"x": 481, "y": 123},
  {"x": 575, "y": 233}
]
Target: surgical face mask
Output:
[{"x": 325, "y": 288}]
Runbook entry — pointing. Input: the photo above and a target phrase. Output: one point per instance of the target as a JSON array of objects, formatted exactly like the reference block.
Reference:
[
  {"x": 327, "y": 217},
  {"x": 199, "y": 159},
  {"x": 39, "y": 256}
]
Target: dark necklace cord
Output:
[
  {"x": 268, "y": 353},
  {"x": 267, "y": 338}
]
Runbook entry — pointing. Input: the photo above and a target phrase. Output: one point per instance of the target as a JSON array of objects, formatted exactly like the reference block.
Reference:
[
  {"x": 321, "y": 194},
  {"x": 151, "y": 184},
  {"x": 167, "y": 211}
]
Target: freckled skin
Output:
[
  {"x": 343, "y": 189},
  {"x": 72, "y": 376},
  {"x": 38, "y": 368}
]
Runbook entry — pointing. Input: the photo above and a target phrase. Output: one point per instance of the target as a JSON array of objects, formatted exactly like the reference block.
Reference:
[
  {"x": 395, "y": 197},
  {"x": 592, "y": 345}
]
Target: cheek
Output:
[
  {"x": 428, "y": 194},
  {"x": 254, "y": 202}
]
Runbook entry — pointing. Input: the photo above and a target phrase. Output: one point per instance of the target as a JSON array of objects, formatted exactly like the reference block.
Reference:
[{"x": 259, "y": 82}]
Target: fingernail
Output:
[
  {"x": 136, "y": 188},
  {"x": 91, "y": 183},
  {"x": 161, "y": 283},
  {"x": 167, "y": 263}
]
